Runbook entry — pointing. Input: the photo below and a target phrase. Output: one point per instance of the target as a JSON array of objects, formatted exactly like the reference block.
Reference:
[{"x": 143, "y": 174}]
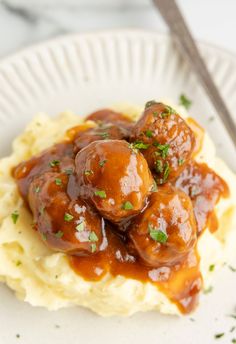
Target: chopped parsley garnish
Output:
[
  {"x": 155, "y": 113},
  {"x": 150, "y": 103},
  {"x": 93, "y": 248},
  {"x": 80, "y": 227},
  {"x": 15, "y": 215},
  {"x": 104, "y": 135},
  {"x": 157, "y": 234},
  {"x": 54, "y": 163},
  {"x": 37, "y": 189},
  {"x": 41, "y": 210},
  {"x": 149, "y": 133},
  {"x": 166, "y": 171},
  {"x": 127, "y": 205},
  {"x": 139, "y": 145},
  {"x": 233, "y": 269},
  {"x": 18, "y": 263},
  {"x": 186, "y": 102},
  {"x": 208, "y": 290},
  {"x": 167, "y": 111},
  {"x": 68, "y": 217},
  {"x": 100, "y": 193},
  {"x": 58, "y": 181},
  {"x": 233, "y": 340},
  {"x": 159, "y": 166},
  {"x": 154, "y": 187},
  {"x": 69, "y": 171},
  {"x": 219, "y": 335},
  {"x": 44, "y": 236},
  {"x": 232, "y": 316},
  {"x": 102, "y": 163},
  {"x": 180, "y": 161},
  {"x": 212, "y": 267},
  {"x": 17, "y": 335},
  {"x": 93, "y": 237},
  {"x": 59, "y": 234},
  {"x": 164, "y": 149},
  {"x": 88, "y": 172},
  {"x": 232, "y": 329}
]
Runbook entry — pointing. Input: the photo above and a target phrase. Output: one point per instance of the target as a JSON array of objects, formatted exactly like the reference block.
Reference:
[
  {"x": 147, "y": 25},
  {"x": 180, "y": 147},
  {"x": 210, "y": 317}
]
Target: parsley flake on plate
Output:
[
  {"x": 212, "y": 267},
  {"x": 232, "y": 268},
  {"x": 219, "y": 335},
  {"x": 208, "y": 290},
  {"x": 185, "y": 101},
  {"x": 15, "y": 215}
]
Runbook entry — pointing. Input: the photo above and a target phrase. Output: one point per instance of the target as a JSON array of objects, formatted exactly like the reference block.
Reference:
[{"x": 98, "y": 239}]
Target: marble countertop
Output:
[{"x": 23, "y": 22}]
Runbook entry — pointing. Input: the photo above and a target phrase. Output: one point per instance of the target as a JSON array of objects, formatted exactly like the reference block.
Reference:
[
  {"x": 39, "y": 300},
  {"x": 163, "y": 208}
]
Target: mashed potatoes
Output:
[{"x": 45, "y": 278}]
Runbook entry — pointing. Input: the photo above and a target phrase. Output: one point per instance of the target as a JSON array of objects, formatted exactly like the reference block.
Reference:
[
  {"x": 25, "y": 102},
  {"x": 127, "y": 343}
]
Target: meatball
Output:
[
  {"x": 69, "y": 226},
  {"x": 114, "y": 178},
  {"x": 59, "y": 157},
  {"x": 101, "y": 132},
  {"x": 166, "y": 230},
  {"x": 109, "y": 116},
  {"x": 205, "y": 188},
  {"x": 165, "y": 140}
]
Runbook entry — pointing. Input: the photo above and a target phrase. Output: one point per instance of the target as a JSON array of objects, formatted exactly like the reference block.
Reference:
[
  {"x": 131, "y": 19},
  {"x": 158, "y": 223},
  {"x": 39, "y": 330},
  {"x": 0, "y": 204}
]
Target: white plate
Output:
[{"x": 88, "y": 71}]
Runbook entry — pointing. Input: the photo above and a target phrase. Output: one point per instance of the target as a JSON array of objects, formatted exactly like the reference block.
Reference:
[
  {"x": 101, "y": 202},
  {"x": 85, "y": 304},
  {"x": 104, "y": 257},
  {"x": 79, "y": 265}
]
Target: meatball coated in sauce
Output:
[
  {"x": 114, "y": 177},
  {"x": 66, "y": 225},
  {"x": 165, "y": 232},
  {"x": 165, "y": 140},
  {"x": 59, "y": 157},
  {"x": 205, "y": 188},
  {"x": 101, "y": 132},
  {"x": 110, "y": 116}
]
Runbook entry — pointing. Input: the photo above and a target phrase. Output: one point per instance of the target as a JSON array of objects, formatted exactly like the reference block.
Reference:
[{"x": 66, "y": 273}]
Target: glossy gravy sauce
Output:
[{"x": 182, "y": 282}]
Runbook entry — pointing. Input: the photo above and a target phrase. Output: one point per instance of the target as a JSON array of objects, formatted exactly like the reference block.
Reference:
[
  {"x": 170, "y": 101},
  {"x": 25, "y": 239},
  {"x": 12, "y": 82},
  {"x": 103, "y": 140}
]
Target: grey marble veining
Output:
[{"x": 23, "y": 22}]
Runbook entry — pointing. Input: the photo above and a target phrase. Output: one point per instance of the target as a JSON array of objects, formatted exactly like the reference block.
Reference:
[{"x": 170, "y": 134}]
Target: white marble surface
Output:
[{"x": 23, "y": 22}]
